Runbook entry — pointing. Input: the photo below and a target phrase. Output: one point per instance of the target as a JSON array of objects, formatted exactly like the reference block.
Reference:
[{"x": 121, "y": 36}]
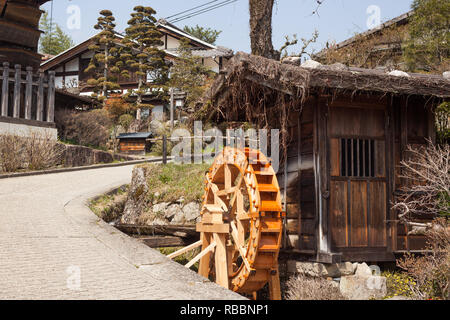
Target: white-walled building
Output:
[{"x": 70, "y": 64}]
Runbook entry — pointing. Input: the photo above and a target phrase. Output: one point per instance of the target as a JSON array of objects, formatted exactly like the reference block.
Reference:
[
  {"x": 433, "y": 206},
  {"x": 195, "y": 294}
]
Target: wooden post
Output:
[
  {"x": 203, "y": 268},
  {"x": 403, "y": 135},
  {"x": 51, "y": 97},
  {"x": 164, "y": 149},
  {"x": 274, "y": 285},
  {"x": 5, "y": 90},
  {"x": 40, "y": 98},
  {"x": 17, "y": 86},
  {"x": 28, "y": 93},
  {"x": 221, "y": 260},
  {"x": 390, "y": 151},
  {"x": 431, "y": 124}
]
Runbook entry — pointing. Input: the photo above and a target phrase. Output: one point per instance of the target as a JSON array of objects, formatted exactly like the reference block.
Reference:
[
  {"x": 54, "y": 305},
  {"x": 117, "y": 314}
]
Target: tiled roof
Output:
[{"x": 137, "y": 135}]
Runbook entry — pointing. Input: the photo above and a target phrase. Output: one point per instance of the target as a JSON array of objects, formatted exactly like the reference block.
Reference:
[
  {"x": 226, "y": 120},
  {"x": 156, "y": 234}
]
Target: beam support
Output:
[{"x": 5, "y": 90}]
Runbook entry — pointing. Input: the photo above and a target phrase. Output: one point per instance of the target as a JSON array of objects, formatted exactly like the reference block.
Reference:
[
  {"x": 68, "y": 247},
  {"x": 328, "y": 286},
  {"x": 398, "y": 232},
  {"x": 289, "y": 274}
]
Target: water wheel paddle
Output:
[{"x": 241, "y": 223}]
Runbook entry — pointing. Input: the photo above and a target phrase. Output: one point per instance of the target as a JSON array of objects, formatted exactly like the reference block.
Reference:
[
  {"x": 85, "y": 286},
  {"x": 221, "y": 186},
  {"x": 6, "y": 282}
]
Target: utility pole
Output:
[{"x": 171, "y": 109}]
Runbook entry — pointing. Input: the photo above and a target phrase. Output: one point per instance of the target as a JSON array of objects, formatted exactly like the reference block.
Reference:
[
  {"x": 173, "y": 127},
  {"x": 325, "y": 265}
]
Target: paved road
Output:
[{"x": 53, "y": 247}]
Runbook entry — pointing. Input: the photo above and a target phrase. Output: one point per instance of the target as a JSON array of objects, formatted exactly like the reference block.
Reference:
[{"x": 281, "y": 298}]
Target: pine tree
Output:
[
  {"x": 54, "y": 40},
  {"x": 188, "y": 74},
  {"x": 141, "y": 54},
  {"x": 206, "y": 34},
  {"x": 104, "y": 64}
]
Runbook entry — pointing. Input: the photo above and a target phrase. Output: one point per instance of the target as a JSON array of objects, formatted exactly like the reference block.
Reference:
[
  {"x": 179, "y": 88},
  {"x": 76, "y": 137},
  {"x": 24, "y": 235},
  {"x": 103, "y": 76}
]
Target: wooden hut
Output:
[
  {"x": 345, "y": 131},
  {"x": 133, "y": 143}
]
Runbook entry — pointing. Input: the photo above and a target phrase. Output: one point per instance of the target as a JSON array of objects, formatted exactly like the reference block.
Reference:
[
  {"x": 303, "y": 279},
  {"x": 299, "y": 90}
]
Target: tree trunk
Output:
[
  {"x": 139, "y": 98},
  {"x": 261, "y": 29},
  {"x": 139, "y": 93},
  {"x": 105, "y": 72}
]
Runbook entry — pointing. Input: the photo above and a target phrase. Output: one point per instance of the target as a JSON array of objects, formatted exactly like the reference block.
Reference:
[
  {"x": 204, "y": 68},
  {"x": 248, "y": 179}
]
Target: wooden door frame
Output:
[
  {"x": 322, "y": 185},
  {"x": 323, "y": 165}
]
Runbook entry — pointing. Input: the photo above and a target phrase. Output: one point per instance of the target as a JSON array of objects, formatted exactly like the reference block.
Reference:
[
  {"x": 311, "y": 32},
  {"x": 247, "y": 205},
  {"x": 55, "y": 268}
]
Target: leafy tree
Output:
[
  {"x": 206, "y": 34},
  {"x": 428, "y": 48},
  {"x": 141, "y": 54},
  {"x": 125, "y": 121},
  {"x": 188, "y": 73},
  {"x": 116, "y": 108},
  {"x": 54, "y": 40},
  {"x": 104, "y": 64}
]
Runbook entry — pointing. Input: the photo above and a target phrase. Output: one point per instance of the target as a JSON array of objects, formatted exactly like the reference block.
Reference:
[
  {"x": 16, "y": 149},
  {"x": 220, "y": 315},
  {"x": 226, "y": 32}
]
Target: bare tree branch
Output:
[{"x": 427, "y": 176}]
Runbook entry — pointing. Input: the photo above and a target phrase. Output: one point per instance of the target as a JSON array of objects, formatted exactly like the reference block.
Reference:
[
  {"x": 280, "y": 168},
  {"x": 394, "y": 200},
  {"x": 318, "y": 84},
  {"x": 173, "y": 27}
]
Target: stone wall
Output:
[{"x": 78, "y": 156}]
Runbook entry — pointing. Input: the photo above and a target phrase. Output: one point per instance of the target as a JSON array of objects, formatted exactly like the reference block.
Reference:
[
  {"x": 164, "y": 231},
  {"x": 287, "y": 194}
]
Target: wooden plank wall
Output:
[
  {"x": 300, "y": 192},
  {"x": 414, "y": 123},
  {"x": 133, "y": 146},
  {"x": 288, "y": 179}
]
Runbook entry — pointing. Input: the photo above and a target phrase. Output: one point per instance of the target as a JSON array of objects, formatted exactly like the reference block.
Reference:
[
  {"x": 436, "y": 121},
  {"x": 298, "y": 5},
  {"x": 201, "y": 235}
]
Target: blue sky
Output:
[{"x": 337, "y": 19}]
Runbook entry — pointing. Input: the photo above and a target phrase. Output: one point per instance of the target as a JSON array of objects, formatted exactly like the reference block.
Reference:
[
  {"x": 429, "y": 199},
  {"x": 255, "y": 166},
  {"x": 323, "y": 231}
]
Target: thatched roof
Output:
[
  {"x": 397, "y": 21},
  {"x": 297, "y": 80}
]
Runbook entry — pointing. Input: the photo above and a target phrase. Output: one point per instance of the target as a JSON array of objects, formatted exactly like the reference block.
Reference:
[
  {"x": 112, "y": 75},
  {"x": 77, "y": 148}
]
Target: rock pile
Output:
[{"x": 357, "y": 281}]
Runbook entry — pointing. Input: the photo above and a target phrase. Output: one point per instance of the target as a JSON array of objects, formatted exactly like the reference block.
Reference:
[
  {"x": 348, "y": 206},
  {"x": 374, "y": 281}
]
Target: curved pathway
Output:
[{"x": 53, "y": 247}]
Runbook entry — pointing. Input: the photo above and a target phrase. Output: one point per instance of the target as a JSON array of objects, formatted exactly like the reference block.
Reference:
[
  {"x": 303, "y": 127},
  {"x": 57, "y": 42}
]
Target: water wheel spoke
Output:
[
  {"x": 228, "y": 182},
  {"x": 240, "y": 245},
  {"x": 217, "y": 199},
  {"x": 237, "y": 190},
  {"x": 226, "y": 192}
]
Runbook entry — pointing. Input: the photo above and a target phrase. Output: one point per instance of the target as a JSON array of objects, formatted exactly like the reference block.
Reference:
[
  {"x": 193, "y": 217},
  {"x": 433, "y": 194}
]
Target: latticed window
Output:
[{"x": 357, "y": 158}]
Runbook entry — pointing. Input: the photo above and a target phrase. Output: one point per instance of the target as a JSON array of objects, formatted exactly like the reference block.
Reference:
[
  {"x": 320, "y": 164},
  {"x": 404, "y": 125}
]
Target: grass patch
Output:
[
  {"x": 110, "y": 206},
  {"x": 184, "y": 258},
  {"x": 171, "y": 182}
]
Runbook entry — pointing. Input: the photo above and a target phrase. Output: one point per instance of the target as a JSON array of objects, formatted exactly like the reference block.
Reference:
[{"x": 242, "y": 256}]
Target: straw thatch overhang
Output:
[{"x": 298, "y": 81}]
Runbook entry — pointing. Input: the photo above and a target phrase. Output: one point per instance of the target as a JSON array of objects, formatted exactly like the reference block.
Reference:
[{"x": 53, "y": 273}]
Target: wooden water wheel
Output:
[{"x": 241, "y": 223}]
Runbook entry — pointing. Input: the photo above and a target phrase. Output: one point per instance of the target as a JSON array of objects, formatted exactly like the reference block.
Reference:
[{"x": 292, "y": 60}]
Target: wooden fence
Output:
[
  {"x": 27, "y": 95},
  {"x": 226, "y": 141}
]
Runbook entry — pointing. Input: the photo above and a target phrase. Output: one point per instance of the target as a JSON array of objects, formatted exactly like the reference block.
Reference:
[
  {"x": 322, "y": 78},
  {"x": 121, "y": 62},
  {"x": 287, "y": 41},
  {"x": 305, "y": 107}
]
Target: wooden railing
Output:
[{"x": 27, "y": 95}]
